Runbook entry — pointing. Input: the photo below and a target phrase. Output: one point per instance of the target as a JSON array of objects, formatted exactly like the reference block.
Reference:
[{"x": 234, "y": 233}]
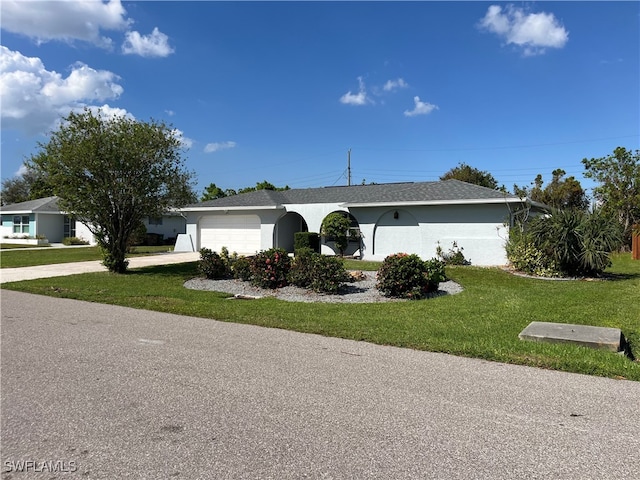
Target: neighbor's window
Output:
[
  {"x": 69, "y": 227},
  {"x": 21, "y": 224},
  {"x": 155, "y": 220}
]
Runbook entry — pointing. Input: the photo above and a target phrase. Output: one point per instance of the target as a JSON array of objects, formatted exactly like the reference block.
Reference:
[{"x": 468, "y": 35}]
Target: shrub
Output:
[
  {"x": 241, "y": 269},
  {"x": 270, "y": 268},
  {"x": 525, "y": 257},
  {"x": 408, "y": 276},
  {"x": 212, "y": 265},
  {"x": 454, "y": 256},
  {"x": 309, "y": 240},
  {"x": 74, "y": 241},
  {"x": 579, "y": 243},
  {"x": 336, "y": 226},
  {"x": 319, "y": 273},
  {"x": 301, "y": 272}
]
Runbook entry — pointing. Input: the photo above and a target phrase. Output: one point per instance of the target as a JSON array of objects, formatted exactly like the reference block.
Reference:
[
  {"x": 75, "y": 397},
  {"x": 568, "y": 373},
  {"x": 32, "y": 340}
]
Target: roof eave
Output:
[
  {"x": 434, "y": 202},
  {"x": 230, "y": 209}
]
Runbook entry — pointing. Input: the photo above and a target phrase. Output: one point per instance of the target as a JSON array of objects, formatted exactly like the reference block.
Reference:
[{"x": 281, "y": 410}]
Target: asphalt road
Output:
[{"x": 112, "y": 392}]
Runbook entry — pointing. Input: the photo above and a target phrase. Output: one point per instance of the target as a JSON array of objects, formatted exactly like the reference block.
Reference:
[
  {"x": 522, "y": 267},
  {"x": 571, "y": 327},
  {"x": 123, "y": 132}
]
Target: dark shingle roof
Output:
[
  {"x": 40, "y": 205},
  {"x": 443, "y": 191}
]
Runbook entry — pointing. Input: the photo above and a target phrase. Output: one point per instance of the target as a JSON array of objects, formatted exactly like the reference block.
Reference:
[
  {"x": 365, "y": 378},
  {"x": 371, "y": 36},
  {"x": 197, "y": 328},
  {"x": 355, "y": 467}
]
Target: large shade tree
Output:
[
  {"x": 618, "y": 190},
  {"x": 111, "y": 172},
  {"x": 466, "y": 173}
]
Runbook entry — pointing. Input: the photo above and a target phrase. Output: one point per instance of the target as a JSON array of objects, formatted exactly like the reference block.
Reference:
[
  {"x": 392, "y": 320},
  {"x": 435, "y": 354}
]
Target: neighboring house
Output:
[
  {"x": 391, "y": 218},
  {"x": 42, "y": 217}
]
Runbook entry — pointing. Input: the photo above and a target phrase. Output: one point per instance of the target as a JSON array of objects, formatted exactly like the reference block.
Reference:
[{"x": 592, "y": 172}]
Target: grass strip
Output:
[{"x": 482, "y": 322}]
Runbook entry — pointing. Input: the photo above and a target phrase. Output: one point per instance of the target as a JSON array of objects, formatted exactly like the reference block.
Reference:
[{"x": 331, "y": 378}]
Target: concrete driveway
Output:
[
  {"x": 62, "y": 269},
  {"x": 102, "y": 392}
]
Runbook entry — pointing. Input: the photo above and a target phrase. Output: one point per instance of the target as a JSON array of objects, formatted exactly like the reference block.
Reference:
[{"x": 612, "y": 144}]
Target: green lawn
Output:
[
  {"x": 48, "y": 255},
  {"x": 482, "y": 322}
]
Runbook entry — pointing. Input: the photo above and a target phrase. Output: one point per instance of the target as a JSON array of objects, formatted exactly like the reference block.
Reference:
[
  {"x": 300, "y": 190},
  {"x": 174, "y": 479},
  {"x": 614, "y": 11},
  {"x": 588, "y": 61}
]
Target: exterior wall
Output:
[
  {"x": 478, "y": 229},
  {"x": 7, "y": 225},
  {"x": 83, "y": 233},
  {"x": 171, "y": 227},
  {"x": 6, "y": 230},
  {"x": 50, "y": 225}
]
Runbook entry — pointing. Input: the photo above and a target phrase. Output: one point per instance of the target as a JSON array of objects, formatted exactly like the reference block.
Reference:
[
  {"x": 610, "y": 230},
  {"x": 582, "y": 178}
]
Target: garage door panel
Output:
[{"x": 239, "y": 233}]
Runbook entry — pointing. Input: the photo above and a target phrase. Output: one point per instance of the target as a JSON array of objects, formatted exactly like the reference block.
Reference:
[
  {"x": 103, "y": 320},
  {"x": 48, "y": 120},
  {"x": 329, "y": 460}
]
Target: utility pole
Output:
[{"x": 349, "y": 168}]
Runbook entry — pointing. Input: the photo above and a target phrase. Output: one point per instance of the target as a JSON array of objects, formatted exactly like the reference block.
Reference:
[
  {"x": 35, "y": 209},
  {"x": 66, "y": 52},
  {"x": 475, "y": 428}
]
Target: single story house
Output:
[
  {"x": 43, "y": 218},
  {"x": 391, "y": 218}
]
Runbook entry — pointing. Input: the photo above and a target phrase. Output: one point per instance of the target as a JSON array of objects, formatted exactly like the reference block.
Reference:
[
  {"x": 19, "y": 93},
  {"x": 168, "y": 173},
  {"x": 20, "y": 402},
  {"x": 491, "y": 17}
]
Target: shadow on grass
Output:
[{"x": 184, "y": 270}]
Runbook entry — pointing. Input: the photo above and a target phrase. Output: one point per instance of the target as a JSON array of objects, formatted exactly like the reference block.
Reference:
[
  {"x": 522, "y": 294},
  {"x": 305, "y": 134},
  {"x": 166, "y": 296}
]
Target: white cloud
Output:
[
  {"x": 533, "y": 32},
  {"x": 217, "y": 146},
  {"x": 154, "y": 45},
  {"x": 420, "y": 108},
  {"x": 185, "y": 141},
  {"x": 65, "y": 20},
  {"x": 360, "y": 98},
  {"x": 394, "y": 84},
  {"x": 34, "y": 98}
]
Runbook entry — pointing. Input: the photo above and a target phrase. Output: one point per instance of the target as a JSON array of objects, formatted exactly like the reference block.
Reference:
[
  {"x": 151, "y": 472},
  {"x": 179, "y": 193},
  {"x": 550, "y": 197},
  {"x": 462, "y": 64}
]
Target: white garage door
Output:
[{"x": 239, "y": 233}]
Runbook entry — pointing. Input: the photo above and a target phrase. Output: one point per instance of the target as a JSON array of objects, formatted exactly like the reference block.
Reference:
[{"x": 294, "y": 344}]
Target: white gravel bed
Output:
[{"x": 363, "y": 291}]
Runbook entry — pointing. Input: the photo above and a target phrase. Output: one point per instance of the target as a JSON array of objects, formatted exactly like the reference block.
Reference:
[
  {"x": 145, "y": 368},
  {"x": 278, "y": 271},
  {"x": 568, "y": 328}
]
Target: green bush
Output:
[
  {"x": 241, "y": 269},
  {"x": 270, "y": 268},
  {"x": 74, "y": 241},
  {"x": 306, "y": 240},
  {"x": 319, "y": 273},
  {"x": 408, "y": 276},
  {"x": 579, "y": 243},
  {"x": 525, "y": 257},
  {"x": 454, "y": 256},
  {"x": 212, "y": 265}
]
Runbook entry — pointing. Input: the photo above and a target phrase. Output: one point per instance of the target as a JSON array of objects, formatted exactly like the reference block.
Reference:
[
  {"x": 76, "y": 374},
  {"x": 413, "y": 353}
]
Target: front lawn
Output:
[
  {"x": 48, "y": 255},
  {"x": 482, "y": 322}
]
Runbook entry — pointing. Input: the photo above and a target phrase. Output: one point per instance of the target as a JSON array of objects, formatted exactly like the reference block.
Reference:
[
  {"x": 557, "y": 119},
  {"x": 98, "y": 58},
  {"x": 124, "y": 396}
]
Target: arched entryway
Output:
[
  {"x": 396, "y": 231},
  {"x": 286, "y": 227},
  {"x": 354, "y": 244}
]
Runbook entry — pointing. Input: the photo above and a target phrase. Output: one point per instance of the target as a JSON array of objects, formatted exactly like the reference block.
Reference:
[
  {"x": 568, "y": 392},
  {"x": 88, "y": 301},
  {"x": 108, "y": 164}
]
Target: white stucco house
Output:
[
  {"x": 43, "y": 217},
  {"x": 392, "y": 218}
]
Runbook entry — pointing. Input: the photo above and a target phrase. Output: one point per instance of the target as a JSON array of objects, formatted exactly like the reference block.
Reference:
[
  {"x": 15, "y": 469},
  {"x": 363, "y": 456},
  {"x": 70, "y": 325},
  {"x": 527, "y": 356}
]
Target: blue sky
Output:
[{"x": 280, "y": 91}]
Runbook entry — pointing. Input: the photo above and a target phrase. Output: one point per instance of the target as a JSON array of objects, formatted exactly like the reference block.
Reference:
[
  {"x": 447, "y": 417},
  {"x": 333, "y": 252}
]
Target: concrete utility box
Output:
[{"x": 593, "y": 337}]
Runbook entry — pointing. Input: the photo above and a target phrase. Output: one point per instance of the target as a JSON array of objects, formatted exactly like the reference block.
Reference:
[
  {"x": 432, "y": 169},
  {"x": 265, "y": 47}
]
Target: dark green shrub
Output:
[
  {"x": 408, "y": 276},
  {"x": 579, "y": 243},
  {"x": 212, "y": 265},
  {"x": 306, "y": 240},
  {"x": 301, "y": 272},
  {"x": 241, "y": 269},
  {"x": 434, "y": 271},
  {"x": 336, "y": 227},
  {"x": 270, "y": 268},
  {"x": 74, "y": 241},
  {"x": 319, "y": 273}
]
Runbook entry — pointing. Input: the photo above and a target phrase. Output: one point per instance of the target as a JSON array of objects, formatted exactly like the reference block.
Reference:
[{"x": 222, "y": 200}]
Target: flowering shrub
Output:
[
  {"x": 270, "y": 268},
  {"x": 454, "y": 256},
  {"x": 408, "y": 276},
  {"x": 319, "y": 273},
  {"x": 212, "y": 265}
]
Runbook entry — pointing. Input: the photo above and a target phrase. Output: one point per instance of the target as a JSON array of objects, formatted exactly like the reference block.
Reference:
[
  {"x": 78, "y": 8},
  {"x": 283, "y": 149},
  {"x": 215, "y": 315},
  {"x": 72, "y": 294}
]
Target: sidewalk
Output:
[{"x": 62, "y": 269}]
